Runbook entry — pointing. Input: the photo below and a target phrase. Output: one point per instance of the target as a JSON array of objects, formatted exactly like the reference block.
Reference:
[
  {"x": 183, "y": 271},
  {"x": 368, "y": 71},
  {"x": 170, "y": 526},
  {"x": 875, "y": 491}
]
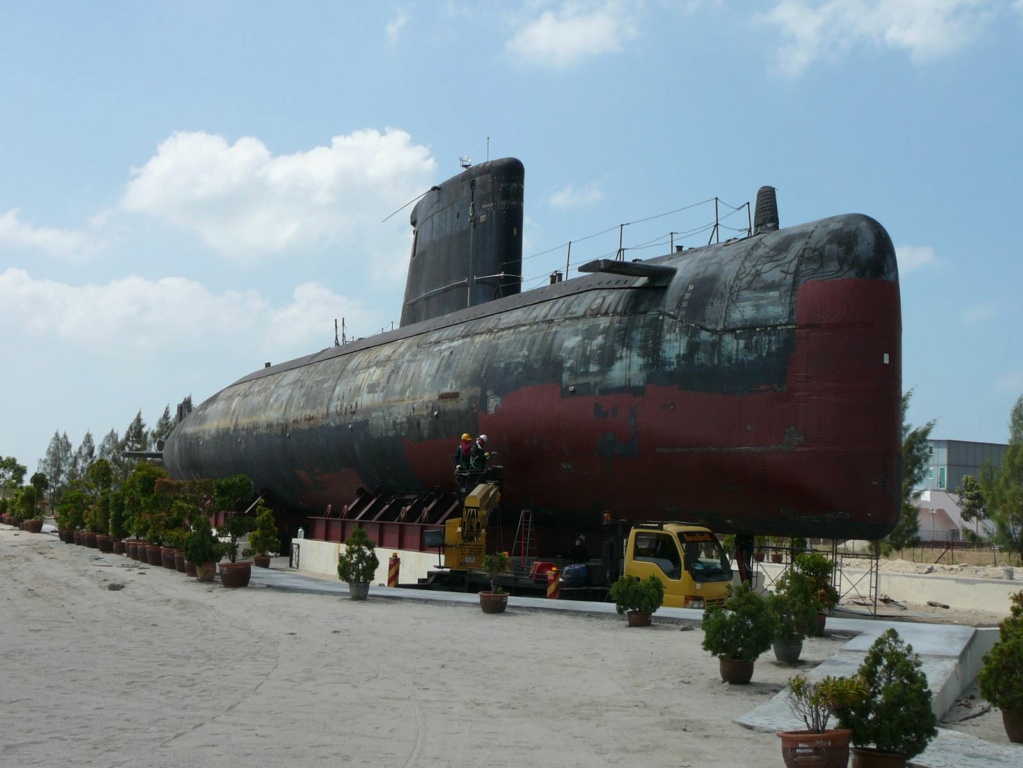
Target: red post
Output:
[
  {"x": 553, "y": 584},
  {"x": 393, "y": 566}
]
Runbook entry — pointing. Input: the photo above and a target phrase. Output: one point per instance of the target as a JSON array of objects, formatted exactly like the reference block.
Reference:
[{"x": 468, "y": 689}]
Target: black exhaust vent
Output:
[{"x": 765, "y": 219}]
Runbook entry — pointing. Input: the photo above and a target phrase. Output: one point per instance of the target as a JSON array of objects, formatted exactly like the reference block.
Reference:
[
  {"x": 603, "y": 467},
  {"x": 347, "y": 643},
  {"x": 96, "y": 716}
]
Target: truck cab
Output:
[{"x": 688, "y": 559}]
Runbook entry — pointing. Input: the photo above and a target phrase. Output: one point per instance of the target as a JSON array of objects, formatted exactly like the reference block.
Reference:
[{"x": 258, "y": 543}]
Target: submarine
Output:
[{"x": 752, "y": 386}]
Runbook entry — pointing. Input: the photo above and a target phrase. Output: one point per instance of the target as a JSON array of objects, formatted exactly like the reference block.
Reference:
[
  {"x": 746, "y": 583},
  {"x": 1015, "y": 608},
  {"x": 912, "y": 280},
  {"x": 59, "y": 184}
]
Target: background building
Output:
[
  {"x": 938, "y": 509},
  {"x": 952, "y": 459}
]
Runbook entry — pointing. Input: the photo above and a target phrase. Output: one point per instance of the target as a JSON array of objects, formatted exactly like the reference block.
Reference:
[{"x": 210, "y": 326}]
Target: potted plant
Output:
[
  {"x": 71, "y": 512},
  {"x": 638, "y": 598},
  {"x": 264, "y": 538},
  {"x": 202, "y": 548},
  {"x": 738, "y": 631},
  {"x": 895, "y": 715},
  {"x": 820, "y": 570},
  {"x": 794, "y": 606},
  {"x": 25, "y": 501},
  {"x": 815, "y": 702},
  {"x": 496, "y": 600},
  {"x": 235, "y": 573},
  {"x": 1001, "y": 677},
  {"x": 358, "y": 563},
  {"x": 117, "y": 529}
]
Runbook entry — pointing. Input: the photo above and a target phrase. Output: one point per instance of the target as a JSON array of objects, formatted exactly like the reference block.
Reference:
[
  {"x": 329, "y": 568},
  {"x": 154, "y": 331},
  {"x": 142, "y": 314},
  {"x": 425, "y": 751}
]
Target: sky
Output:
[{"x": 191, "y": 189}]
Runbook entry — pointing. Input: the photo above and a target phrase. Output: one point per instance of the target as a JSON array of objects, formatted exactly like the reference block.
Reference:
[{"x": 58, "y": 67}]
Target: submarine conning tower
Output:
[{"x": 467, "y": 241}]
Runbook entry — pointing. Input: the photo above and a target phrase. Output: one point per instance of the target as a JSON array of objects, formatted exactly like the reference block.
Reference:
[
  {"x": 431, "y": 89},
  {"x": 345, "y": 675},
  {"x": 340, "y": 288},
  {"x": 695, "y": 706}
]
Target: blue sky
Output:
[{"x": 191, "y": 189}]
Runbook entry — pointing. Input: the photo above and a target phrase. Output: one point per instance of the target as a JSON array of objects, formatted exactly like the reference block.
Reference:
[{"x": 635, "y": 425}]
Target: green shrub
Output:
[
  {"x": 794, "y": 605},
  {"x": 742, "y": 628},
  {"x": 896, "y": 715},
  {"x": 358, "y": 562},
  {"x": 264, "y": 539},
  {"x": 200, "y": 545},
  {"x": 819, "y": 570},
  {"x": 494, "y": 565},
  {"x": 815, "y": 702},
  {"x": 631, "y": 593},
  {"x": 1001, "y": 678},
  {"x": 235, "y": 526}
]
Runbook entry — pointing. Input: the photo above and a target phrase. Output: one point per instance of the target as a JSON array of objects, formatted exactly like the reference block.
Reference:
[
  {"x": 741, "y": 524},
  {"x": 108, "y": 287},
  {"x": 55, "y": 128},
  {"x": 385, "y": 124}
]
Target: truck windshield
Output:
[{"x": 704, "y": 557}]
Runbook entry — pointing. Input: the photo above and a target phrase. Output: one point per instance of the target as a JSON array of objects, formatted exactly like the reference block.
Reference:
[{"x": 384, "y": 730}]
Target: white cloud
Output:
[
  {"x": 65, "y": 243},
  {"x": 133, "y": 315},
  {"x": 246, "y": 203},
  {"x": 395, "y": 25},
  {"x": 1011, "y": 382},
  {"x": 979, "y": 313},
  {"x": 926, "y": 29},
  {"x": 573, "y": 197},
  {"x": 913, "y": 257},
  {"x": 580, "y": 30}
]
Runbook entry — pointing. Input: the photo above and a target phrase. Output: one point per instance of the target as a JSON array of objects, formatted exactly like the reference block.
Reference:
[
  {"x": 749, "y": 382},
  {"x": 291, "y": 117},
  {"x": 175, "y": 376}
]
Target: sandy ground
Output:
[{"x": 107, "y": 662}]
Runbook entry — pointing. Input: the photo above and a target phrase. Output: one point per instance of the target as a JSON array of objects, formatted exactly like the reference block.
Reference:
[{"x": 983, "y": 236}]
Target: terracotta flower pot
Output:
[
  {"x": 787, "y": 651},
  {"x": 261, "y": 561},
  {"x": 33, "y": 526},
  {"x": 167, "y": 557},
  {"x": 638, "y": 618},
  {"x": 1012, "y": 720},
  {"x": 154, "y": 554},
  {"x": 205, "y": 571},
  {"x": 104, "y": 543},
  {"x": 863, "y": 757},
  {"x": 119, "y": 547},
  {"x": 236, "y": 574},
  {"x": 735, "y": 671},
  {"x": 493, "y": 602},
  {"x": 806, "y": 749}
]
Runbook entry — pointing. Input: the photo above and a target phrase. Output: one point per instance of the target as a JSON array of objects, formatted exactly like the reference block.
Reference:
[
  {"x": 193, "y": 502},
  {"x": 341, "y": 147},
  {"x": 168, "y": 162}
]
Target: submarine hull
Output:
[{"x": 752, "y": 386}]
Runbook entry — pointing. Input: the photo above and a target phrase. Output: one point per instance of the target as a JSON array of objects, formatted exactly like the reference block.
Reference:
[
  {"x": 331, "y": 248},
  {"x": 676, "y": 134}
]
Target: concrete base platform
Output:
[{"x": 951, "y": 656}]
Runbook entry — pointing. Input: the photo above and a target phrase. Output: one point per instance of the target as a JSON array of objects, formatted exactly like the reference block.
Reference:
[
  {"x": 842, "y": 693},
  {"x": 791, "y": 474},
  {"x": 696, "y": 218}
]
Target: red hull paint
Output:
[{"x": 817, "y": 457}]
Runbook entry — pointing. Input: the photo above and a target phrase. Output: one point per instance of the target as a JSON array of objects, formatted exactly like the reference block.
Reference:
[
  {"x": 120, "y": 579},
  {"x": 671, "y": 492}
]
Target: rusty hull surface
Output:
[{"x": 757, "y": 391}]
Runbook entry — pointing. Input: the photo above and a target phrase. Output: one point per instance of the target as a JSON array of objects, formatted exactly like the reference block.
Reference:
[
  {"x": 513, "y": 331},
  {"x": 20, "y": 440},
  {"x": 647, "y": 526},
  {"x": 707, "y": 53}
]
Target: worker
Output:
[
  {"x": 480, "y": 456},
  {"x": 463, "y": 453},
  {"x": 579, "y": 553}
]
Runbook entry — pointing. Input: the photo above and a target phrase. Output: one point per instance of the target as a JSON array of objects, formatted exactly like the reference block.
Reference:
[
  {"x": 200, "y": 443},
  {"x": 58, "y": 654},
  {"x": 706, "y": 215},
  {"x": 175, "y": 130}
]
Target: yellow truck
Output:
[{"x": 687, "y": 558}]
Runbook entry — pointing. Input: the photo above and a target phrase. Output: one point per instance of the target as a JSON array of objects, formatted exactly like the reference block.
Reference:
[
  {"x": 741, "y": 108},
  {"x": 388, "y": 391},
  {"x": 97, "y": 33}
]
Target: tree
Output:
[
  {"x": 970, "y": 498},
  {"x": 231, "y": 492},
  {"x": 164, "y": 426},
  {"x": 110, "y": 446},
  {"x": 1003, "y": 487},
  {"x": 141, "y": 501},
  {"x": 25, "y": 502},
  {"x": 56, "y": 465},
  {"x": 99, "y": 481},
  {"x": 12, "y": 474},
  {"x": 915, "y": 457},
  {"x": 136, "y": 438},
  {"x": 85, "y": 454},
  {"x": 41, "y": 483}
]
